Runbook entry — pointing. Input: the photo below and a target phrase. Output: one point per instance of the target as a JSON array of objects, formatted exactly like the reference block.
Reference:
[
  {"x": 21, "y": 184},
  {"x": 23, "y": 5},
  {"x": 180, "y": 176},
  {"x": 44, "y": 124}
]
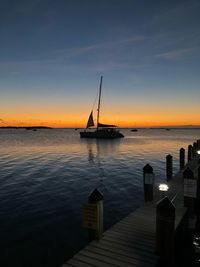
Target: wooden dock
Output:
[{"x": 132, "y": 241}]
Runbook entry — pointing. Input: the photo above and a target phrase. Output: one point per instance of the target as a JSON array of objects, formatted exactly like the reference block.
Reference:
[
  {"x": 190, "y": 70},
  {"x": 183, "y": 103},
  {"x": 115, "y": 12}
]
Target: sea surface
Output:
[{"x": 47, "y": 175}]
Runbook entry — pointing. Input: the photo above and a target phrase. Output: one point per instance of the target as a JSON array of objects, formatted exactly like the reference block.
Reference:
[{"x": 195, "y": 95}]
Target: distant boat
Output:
[
  {"x": 134, "y": 130},
  {"x": 102, "y": 131},
  {"x": 31, "y": 128}
]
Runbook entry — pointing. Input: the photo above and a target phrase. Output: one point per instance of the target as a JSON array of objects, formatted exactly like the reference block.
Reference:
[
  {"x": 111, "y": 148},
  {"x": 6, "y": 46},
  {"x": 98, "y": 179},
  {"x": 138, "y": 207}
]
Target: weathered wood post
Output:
[
  {"x": 182, "y": 158},
  {"x": 190, "y": 152},
  {"x": 197, "y": 175},
  {"x": 148, "y": 182},
  {"x": 198, "y": 201},
  {"x": 198, "y": 144},
  {"x": 190, "y": 194},
  {"x": 195, "y": 149},
  {"x": 165, "y": 225},
  {"x": 93, "y": 215},
  {"x": 198, "y": 179},
  {"x": 169, "y": 167}
]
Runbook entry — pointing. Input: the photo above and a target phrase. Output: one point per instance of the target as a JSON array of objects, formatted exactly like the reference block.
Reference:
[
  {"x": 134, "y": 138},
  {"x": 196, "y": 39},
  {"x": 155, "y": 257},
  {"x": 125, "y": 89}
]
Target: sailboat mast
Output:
[{"x": 98, "y": 109}]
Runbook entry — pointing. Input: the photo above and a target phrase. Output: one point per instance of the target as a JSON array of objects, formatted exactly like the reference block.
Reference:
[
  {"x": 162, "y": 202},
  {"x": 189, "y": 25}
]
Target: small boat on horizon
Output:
[
  {"x": 102, "y": 131},
  {"x": 134, "y": 130}
]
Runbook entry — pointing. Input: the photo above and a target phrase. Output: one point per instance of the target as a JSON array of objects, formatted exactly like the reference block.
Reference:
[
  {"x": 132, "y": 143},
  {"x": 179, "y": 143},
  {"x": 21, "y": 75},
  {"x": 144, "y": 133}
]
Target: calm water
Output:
[{"x": 47, "y": 175}]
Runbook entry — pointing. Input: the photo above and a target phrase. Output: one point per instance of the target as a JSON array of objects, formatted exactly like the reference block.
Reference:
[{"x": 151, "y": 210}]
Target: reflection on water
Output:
[
  {"x": 47, "y": 175},
  {"x": 100, "y": 148}
]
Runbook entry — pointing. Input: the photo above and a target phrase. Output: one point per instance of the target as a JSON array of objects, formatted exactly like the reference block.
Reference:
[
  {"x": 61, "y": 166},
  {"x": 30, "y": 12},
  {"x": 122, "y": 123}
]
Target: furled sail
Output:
[
  {"x": 106, "y": 125},
  {"x": 90, "y": 122}
]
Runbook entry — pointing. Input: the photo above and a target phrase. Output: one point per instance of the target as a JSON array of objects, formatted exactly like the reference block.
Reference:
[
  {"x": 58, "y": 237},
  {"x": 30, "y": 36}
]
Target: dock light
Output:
[
  {"x": 163, "y": 187},
  {"x": 198, "y": 152}
]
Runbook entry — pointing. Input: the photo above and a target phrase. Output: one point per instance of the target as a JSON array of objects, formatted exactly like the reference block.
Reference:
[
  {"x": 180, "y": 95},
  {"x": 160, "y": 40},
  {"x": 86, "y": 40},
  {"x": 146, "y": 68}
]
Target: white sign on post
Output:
[
  {"x": 190, "y": 188},
  {"x": 149, "y": 178}
]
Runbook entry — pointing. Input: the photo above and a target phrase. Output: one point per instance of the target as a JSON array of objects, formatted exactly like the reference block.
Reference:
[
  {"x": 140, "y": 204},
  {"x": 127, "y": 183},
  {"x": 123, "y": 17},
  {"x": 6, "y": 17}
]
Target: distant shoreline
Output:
[{"x": 151, "y": 128}]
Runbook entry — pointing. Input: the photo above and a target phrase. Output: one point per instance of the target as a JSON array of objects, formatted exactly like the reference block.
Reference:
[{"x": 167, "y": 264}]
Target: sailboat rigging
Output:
[{"x": 102, "y": 131}]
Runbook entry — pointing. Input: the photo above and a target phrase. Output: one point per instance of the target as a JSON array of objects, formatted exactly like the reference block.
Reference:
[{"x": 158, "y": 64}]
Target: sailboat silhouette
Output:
[{"x": 102, "y": 131}]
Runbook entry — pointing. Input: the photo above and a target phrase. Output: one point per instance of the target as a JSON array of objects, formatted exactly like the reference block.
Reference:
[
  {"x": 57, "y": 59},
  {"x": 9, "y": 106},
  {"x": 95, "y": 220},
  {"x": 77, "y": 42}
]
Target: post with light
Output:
[
  {"x": 182, "y": 158},
  {"x": 93, "y": 215},
  {"x": 165, "y": 232},
  {"x": 169, "y": 167},
  {"x": 198, "y": 199},
  {"x": 163, "y": 189},
  {"x": 198, "y": 144},
  {"x": 148, "y": 182},
  {"x": 195, "y": 148},
  {"x": 190, "y": 152},
  {"x": 198, "y": 155},
  {"x": 190, "y": 195}
]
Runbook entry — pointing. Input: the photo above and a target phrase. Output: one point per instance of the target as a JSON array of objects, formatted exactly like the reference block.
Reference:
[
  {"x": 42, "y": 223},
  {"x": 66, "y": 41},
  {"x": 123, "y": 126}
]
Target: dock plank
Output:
[
  {"x": 129, "y": 249},
  {"x": 78, "y": 263},
  {"x": 120, "y": 251},
  {"x": 125, "y": 259},
  {"x": 113, "y": 259}
]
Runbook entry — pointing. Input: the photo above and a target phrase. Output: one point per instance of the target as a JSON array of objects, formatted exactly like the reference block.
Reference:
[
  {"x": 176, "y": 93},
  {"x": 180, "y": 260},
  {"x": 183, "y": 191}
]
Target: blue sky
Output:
[{"x": 52, "y": 54}]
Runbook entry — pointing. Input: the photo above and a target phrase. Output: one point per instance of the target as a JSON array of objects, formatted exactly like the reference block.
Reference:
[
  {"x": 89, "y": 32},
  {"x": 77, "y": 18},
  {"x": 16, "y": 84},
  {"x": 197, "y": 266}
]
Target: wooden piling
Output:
[
  {"x": 182, "y": 158},
  {"x": 190, "y": 152},
  {"x": 165, "y": 231},
  {"x": 198, "y": 201},
  {"x": 93, "y": 215},
  {"x": 190, "y": 191},
  {"x": 169, "y": 167},
  {"x": 148, "y": 182},
  {"x": 195, "y": 149},
  {"x": 198, "y": 144},
  {"x": 198, "y": 178}
]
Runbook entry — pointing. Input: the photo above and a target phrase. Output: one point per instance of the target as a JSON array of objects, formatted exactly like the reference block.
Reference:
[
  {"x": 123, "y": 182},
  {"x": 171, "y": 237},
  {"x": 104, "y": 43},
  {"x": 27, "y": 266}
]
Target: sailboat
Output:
[{"x": 102, "y": 131}]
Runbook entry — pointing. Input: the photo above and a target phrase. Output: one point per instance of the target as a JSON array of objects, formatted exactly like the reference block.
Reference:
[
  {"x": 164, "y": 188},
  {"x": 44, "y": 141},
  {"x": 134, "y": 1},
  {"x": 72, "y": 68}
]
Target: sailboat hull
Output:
[{"x": 102, "y": 134}]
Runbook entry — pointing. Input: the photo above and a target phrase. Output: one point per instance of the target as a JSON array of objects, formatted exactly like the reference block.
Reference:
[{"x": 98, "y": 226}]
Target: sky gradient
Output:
[{"x": 52, "y": 54}]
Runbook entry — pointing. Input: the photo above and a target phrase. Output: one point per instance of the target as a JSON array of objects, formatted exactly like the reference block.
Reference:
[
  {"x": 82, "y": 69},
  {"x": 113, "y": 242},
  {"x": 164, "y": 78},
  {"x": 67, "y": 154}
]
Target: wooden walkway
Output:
[{"x": 131, "y": 242}]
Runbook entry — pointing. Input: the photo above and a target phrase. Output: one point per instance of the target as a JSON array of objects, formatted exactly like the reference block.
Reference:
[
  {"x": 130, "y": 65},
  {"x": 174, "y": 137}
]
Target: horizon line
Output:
[{"x": 129, "y": 127}]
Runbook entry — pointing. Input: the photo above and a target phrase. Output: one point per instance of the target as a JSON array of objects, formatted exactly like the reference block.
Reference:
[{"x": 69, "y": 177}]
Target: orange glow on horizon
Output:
[
  {"x": 74, "y": 114},
  {"x": 80, "y": 120}
]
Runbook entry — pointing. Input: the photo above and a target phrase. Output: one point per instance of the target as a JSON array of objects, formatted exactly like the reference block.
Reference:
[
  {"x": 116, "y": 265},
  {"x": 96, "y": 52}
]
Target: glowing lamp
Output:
[
  {"x": 163, "y": 187},
  {"x": 198, "y": 152}
]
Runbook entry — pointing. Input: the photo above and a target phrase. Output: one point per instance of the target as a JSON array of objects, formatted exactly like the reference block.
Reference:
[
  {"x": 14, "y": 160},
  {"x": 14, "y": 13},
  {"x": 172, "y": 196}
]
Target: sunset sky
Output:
[{"x": 52, "y": 54}]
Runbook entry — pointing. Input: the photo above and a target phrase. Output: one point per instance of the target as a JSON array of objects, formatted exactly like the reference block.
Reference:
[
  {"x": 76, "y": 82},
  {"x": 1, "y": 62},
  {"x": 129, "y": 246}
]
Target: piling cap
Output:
[
  {"x": 95, "y": 196},
  {"x": 169, "y": 156},
  {"x": 194, "y": 144},
  {"x": 148, "y": 169},
  {"x": 188, "y": 173},
  {"x": 165, "y": 207},
  {"x": 182, "y": 149}
]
